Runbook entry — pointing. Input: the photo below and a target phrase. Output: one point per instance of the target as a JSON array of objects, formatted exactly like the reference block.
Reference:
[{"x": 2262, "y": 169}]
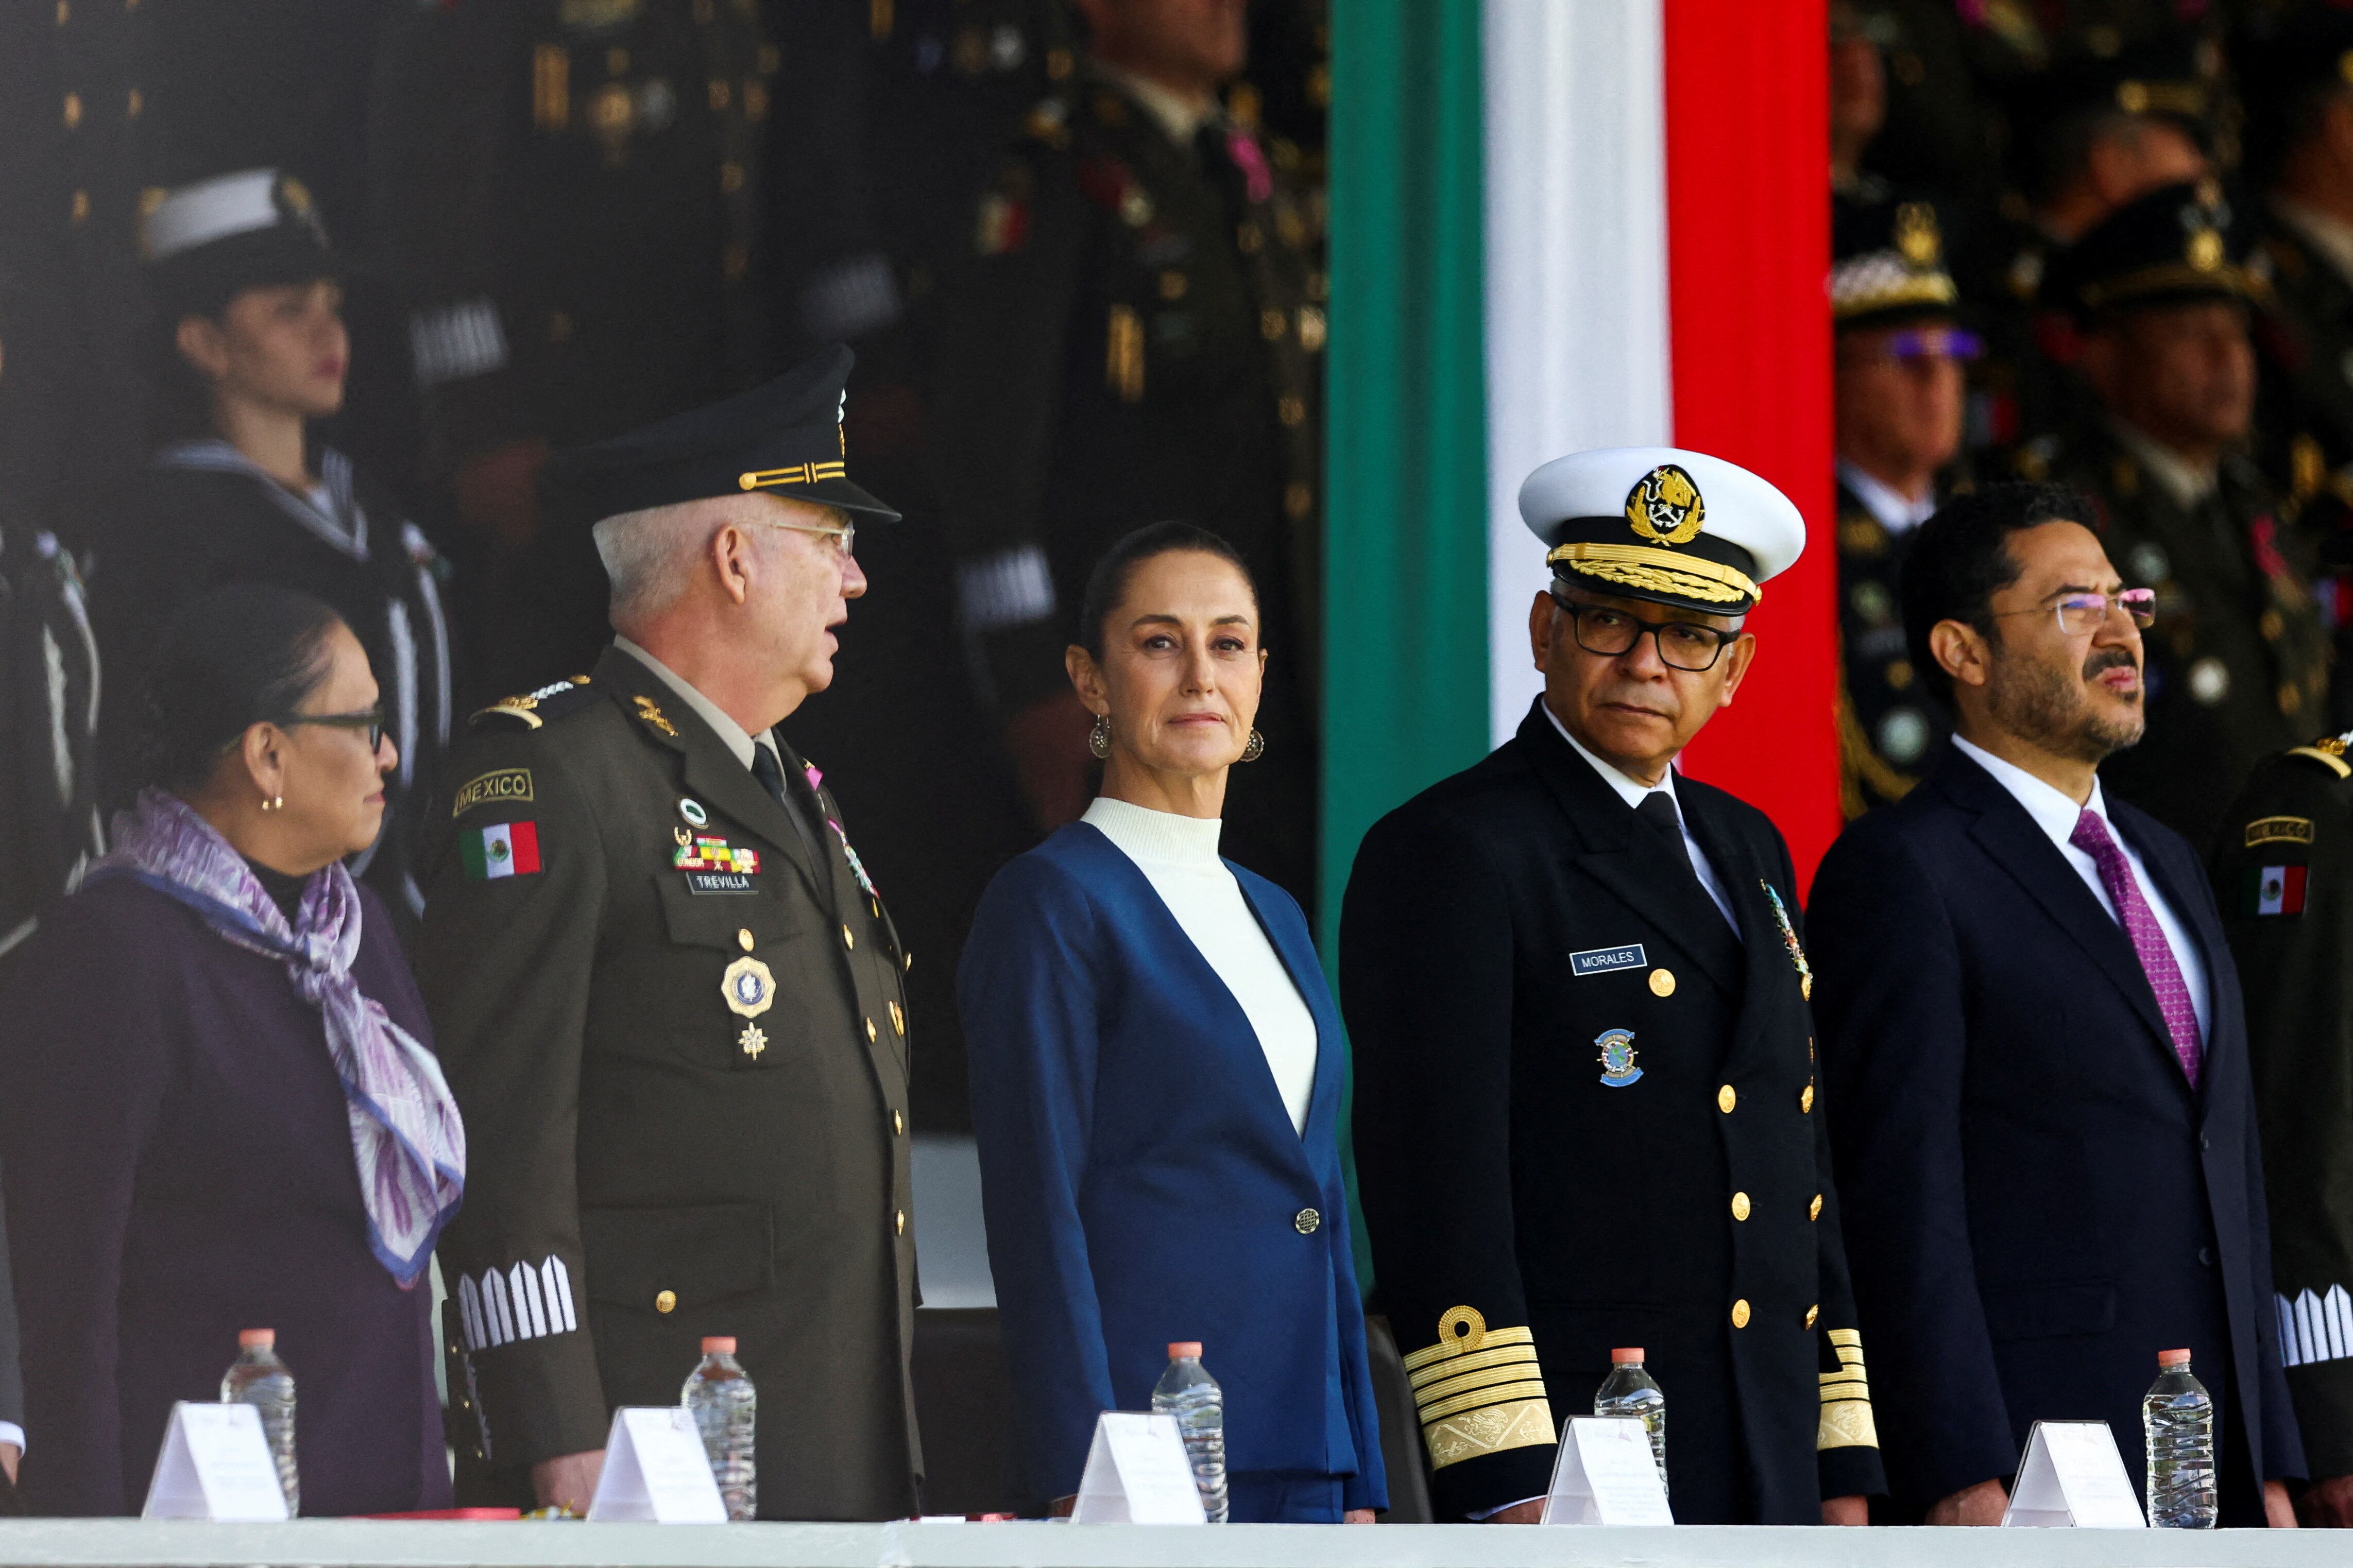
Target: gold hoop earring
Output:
[
  {"x": 1255, "y": 748},
  {"x": 275, "y": 803},
  {"x": 1099, "y": 738}
]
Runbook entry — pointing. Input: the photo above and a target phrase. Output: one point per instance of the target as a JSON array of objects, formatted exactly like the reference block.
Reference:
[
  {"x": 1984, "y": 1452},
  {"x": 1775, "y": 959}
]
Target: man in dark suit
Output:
[
  {"x": 2031, "y": 1028},
  {"x": 1586, "y": 1110},
  {"x": 669, "y": 999}
]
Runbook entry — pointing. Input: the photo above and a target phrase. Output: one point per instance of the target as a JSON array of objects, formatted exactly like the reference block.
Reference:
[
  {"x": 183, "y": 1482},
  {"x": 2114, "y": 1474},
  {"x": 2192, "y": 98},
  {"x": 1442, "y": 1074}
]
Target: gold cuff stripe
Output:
[
  {"x": 1660, "y": 570},
  {"x": 1851, "y": 1374},
  {"x": 1510, "y": 1355},
  {"x": 1492, "y": 1430},
  {"x": 805, "y": 474},
  {"x": 1844, "y": 1338},
  {"x": 1480, "y": 1399},
  {"x": 1428, "y": 1353},
  {"x": 1488, "y": 1377}
]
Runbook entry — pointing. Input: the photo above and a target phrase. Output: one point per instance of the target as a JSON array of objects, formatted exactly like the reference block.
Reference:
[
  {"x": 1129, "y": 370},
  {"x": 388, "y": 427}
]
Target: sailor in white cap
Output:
[
  {"x": 252, "y": 352},
  {"x": 1586, "y": 1103}
]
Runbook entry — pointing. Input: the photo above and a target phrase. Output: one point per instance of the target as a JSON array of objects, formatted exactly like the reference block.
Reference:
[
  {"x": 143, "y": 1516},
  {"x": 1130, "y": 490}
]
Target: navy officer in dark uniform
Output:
[
  {"x": 670, "y": 1000},
  {"x": 1586, "y": 1095}
]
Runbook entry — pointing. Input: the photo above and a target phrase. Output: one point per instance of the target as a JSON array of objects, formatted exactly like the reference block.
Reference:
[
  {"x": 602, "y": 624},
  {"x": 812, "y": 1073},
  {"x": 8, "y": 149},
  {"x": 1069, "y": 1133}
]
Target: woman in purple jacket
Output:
[{"x": 219, "y": 1109}]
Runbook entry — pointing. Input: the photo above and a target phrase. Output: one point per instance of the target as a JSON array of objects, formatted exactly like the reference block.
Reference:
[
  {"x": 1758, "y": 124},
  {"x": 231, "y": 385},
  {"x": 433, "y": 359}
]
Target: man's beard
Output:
[{"x": 2040, "y": 703}]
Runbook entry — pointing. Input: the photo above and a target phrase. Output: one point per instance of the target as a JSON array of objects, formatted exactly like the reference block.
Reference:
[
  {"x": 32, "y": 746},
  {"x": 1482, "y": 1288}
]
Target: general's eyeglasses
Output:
[
  {"x": 845, "y": 537},
  {"x": 369, "y": 721},
  {"x": 1682, "y": 644},
  {"x": 2080, "y": 615}
]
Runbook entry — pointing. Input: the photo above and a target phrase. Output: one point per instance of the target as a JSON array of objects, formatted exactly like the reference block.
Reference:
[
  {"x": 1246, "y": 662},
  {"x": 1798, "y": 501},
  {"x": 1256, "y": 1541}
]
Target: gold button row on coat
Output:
[
  {"x": 1740, "y": 1206},
  {"x": 1815, "y": 1212},
  {"x": 1306, "y": 1221},
  {"x": 1740, "y": 1313},
  {"x": 665, "y": 1300},
  {"x": 1806, "y": 1101},
  {"x": 1725, "y": 1099},
  {"x": 1663, "y": 982},
  {"x": 898, "y": 1125},
  {"x": 898, "y": 1222},
  {"x": 870, "y": 1035},
  {"x": 849, "y": 941}
]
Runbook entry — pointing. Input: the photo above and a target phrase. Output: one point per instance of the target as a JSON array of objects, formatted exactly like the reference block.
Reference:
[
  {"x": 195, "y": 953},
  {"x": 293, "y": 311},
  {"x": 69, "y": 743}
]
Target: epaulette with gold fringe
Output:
[
  {"x": 2329, "y": 753},
  {"x": 532, "y": 708}
]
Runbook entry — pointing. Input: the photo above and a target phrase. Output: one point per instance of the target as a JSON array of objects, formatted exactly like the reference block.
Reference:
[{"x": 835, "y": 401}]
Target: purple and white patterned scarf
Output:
[{"x": 406, "y": 1137}]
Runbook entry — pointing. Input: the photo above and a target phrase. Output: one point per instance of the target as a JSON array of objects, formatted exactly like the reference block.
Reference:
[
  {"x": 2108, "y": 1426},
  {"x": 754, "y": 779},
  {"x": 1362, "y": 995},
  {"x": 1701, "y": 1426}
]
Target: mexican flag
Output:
[
  {"x": 1558, "y": 224},
  {"x": 509, "y": 849},
  {"x": 2274, "y": 890}
]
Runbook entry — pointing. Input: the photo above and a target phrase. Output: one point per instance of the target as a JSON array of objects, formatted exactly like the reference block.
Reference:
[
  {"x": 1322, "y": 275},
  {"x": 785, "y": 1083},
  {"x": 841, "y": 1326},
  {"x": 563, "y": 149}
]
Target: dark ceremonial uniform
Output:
[
  {"x": 1138, "y": 336},
  {"x": 206, "y": 517},
  {"x": 2237, "y": 662},
  {"x": 50, "y": 826},
  {"x": 678, "y": 1034},
  {"x": 1586, "y": 1118},
  {"x": 570, "y": 192},
  {"x": 1888, "y": 727},
  {"x": 2282, "y": 871}
]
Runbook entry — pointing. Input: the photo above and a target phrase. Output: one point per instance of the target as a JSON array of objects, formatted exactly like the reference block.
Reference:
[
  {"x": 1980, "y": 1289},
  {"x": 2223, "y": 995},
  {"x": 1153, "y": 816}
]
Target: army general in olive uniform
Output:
[
  {"x": 2238, "y": 669},
  {"x": 2283, "y": 874},
  {"x": 670, "y": 1001}
]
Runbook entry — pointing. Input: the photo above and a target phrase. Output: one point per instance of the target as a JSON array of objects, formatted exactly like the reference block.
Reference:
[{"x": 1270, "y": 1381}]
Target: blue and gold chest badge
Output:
[
  {"x": 1617, "y": 1069},
  {"x": 750, "y": 989},
  {"x": 1789, "y": 939}
]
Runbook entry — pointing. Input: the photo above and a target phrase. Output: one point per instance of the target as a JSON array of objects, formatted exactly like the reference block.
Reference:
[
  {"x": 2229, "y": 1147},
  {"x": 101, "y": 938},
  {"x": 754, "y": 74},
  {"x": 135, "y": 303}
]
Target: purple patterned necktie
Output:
[{"x": 2091, "y": 836}]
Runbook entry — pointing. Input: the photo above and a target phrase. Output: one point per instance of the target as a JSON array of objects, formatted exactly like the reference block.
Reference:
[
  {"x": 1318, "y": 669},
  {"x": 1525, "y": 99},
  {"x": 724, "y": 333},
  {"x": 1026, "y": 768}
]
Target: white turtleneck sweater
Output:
[{"x": 1178, "y": 856}]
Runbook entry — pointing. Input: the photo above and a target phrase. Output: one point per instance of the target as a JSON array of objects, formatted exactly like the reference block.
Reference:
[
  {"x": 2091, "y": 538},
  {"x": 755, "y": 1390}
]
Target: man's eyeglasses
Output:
[
  {"x": 369, "y": 720},
  {"x": 2080, "y": 615},
  {"x": 1682, "y": 644},
  {"x": 1923, "y": 343},
  {"x": 845, "y": 537}
]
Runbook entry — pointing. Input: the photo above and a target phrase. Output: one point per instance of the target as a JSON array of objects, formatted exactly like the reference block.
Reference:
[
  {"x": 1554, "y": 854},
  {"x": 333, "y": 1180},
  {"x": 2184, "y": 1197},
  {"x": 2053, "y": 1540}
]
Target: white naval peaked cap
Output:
[
  {"x": 208, "y": 210},
  {"x": 1660, "y": 523}
]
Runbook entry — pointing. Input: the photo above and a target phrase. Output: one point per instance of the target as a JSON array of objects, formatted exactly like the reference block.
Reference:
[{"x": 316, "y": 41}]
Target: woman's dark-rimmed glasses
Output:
[{"x": 370, "y": 720}]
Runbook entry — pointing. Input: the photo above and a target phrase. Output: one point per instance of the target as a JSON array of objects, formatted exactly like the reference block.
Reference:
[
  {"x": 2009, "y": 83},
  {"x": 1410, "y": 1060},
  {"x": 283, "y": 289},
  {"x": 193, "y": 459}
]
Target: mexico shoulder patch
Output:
[{"x": 509, "y": 849}]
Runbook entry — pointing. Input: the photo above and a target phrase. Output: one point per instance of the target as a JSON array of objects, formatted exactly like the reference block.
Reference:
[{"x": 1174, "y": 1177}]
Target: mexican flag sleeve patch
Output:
[
  {"x": 2274, "y": 890},
  {"x": 509, "y": 849}
]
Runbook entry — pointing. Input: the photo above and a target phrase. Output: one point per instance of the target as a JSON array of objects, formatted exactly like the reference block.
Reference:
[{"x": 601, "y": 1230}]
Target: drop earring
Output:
[
  {"x": 1099, "y": 738},
  {"x": 274, "y": 803}
]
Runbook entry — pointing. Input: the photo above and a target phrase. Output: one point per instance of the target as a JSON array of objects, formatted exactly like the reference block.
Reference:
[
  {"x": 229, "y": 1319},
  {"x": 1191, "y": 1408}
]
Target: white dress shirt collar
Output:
[
  {"x": 2046, "y": 802},
  {"x": 730, "y": 733},
  {"x": 2187, "y": 482},
  {"x": 1633, "y": 792},
  {"x": 1895, "y": 513},
  {"x": 1180, "y": 117}
]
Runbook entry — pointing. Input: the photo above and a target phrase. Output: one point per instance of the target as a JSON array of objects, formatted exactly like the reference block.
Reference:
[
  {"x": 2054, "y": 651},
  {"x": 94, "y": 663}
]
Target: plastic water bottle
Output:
[
  {"x": 260, "y": 1379},
  {"x": 1629, "y": 1390},
  {"x": 1188, "y": 1392},
  {"x": 726, "y": 1410},
  {"x": 2179, "y": 1417}
]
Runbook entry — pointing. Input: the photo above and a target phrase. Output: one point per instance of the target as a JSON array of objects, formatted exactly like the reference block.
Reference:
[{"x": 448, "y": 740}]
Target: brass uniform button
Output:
[
  {"x": 1172, "y": 285},
  {"x": 1725, "y": 1099},
  {"x": 849, "y": 941},
  {"x": 722, "y": 93},
  {"x": 133, "y": 104},
  {"x": 906, "y": 961},
  {"x": 1740, "y": 1206},
  {"x": 1273, "y": 324},
  {"x": 870, "y": 1031},
  {"x": 1740, "y": 1313},
  {"x": 79, "y": 211},
  {"x": 1815, "y": 1210},
  {"x": 72, "y": 110},
  {"x": 744, "y": 939},
  {"x": 665, "y": 1300},
  {"x": 898, "y": 1222},
  {"x": 1812, "y": 1313},
  {"x": 898, "y": 1125},
  {"x": 1806, "y": 1101},
  {"x": 897, "y": 1020},
  {"x": 730, "y": 178},
  {"x": 1663, "y": 982},
  {"x": 1306, "y": 1221}
]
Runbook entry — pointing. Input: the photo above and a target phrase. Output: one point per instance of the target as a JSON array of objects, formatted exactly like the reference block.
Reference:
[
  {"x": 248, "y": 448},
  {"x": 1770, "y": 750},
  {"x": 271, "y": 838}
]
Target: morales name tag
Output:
[
  {"x": 719, "y": 882},
  {"x": 1603, "y": 960}
]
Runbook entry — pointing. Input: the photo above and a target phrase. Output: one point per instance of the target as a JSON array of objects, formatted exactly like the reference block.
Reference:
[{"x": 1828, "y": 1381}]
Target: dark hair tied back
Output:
[
  {"x": 236, "y": 658},
  {"x": 1107, "y": 584}
]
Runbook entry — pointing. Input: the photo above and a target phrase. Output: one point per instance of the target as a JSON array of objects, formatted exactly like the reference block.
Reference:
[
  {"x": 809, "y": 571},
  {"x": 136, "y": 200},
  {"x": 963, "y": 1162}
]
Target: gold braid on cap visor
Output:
[{"x": 1658, "y": 572}]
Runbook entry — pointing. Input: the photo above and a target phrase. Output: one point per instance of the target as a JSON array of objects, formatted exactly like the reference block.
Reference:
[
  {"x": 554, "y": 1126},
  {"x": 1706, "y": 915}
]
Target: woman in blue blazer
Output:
[{"x": 1156, "y": 1076}]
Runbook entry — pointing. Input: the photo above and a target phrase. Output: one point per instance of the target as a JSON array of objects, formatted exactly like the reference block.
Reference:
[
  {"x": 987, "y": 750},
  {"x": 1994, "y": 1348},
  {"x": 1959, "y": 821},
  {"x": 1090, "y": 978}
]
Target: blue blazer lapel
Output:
[{"x": 1292, "y": 945}]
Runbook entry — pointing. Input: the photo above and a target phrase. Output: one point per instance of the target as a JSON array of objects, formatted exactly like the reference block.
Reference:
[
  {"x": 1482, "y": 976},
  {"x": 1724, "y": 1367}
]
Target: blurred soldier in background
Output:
[
  {"x": 570, "y": 192},
  {"x": 1898, "y": 420},
  {"x": 2237, "y": 667},
  {"x": 1137, "y": 335}
]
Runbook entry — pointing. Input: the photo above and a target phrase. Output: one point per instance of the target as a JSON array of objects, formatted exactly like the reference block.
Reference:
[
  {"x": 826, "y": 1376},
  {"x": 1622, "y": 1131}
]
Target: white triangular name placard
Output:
[
  {"x": 1606, "y": 1474},
  {"x": 656, "y": 1470},
  {"x": 1137, "y": 1474},
  {"x": 215, "y": 1465},
  {"x": 2073, "y": 1476}
]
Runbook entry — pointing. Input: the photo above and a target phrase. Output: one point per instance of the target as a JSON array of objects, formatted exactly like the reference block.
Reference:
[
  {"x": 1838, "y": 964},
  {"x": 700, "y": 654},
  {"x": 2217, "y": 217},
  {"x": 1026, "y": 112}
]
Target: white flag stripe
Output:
[
  {"x": 531, "y": 1323},
  {"x": 2308, "y": 1328},
  {"x": 494, "y": 1295},
  {"x": 559, "y": 1295}
]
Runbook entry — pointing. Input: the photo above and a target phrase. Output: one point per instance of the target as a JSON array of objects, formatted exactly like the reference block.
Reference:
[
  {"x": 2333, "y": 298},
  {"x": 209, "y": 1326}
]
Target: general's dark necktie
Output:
[
  {"x": 1658, "y": 812},
  {"x": 770, "y": 774}
]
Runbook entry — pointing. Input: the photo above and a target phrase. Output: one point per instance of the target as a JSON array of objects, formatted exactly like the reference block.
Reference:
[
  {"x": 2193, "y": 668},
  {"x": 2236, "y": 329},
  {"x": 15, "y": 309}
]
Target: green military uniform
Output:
[
  {"x": 669, "y": 1003},
  {"x": 2237, "y": 664},
  {"x": 1137, "y": 335},
  {"x": 2284, "y": 870}
]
